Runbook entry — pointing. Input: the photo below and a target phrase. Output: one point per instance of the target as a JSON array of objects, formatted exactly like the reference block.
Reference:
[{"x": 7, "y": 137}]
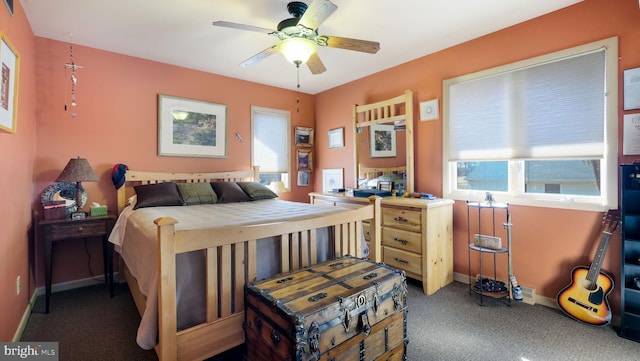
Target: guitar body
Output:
[{"x": 583, "y": 302}]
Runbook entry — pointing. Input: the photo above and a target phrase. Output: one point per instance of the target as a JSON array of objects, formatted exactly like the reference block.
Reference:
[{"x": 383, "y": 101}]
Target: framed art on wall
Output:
[
  {"x": 304, "y": 136},
  {"x": 10, "y": 62},
  {"x": 303, "y": 178},
  {"x": 332, "y": 179},
  {"x": 382, "y": 138},
  {"x": 191, "y": 128},
  {"x": 9, "y": 4},
  {"x": 305, "y": 161},
  {"x": 429, "y": 110},
  {"x": 631, "y": 79},
  {"x": 336, "y": 138}
]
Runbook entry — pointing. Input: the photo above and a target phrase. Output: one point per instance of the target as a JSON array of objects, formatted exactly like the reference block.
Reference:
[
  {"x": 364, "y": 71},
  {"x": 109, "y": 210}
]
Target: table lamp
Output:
[
  {"x": 277, "y": 187},
  {"x": 76, "y": 171}
]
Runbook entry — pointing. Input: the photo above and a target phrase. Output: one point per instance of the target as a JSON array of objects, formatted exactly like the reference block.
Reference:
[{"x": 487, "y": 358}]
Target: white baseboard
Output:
[{"x": 58, "y": 287}]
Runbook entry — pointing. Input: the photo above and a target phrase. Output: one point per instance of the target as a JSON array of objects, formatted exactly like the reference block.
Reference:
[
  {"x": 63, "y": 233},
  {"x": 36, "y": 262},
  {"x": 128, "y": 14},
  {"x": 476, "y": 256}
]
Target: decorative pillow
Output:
[
  {"x": 256, "y": 190},
  {"x": 229, "y": 192},
  {"x": 197, "y": 193},
  {"x": 155, "y": 195}
]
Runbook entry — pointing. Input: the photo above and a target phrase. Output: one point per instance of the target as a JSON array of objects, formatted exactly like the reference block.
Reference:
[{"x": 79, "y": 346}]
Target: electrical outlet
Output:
[{"x": 18, "y": 286}]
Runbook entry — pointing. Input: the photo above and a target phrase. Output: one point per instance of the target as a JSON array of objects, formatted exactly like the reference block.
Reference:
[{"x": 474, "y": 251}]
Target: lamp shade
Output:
[
  {"x": 77, "y": 170},
  {"x": 277, "y": 187},
  {"x": 297, "y": 50}
]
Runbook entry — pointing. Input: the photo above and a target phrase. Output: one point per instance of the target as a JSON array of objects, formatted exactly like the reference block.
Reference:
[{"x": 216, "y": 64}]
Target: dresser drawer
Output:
[
  {"x": 405, "y": 240},
  {"x": 407, "y": 261},
  {"x": 404, "y": 218},
  {"x": 79, "y": 230}
]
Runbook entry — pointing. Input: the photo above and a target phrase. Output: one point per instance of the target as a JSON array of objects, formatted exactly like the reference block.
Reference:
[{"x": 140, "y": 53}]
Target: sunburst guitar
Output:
[{"x": 585, "y": 298}]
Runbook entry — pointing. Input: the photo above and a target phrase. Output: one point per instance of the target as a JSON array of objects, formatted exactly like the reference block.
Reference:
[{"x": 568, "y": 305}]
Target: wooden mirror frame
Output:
[{"x": 387, "y": 111}]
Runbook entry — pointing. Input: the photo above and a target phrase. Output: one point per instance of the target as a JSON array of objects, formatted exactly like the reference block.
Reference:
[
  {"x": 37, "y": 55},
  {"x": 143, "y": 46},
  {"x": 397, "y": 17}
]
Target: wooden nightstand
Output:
[{"x": 64, "y": 229}]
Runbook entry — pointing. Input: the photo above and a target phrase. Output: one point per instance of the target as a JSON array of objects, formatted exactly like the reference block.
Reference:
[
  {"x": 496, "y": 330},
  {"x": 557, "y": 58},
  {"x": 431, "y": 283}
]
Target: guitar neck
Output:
[{"x": 594, "y": 270}]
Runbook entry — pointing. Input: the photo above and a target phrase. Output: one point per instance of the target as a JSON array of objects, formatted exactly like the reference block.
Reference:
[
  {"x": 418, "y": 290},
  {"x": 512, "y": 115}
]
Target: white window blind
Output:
[
  {"x": 270, "y": 140},
  {"x": 551, "y": 110}
]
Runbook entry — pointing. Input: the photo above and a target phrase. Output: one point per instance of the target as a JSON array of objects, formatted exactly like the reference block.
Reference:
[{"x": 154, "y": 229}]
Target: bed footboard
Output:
[{"x": 230, "y": 263}]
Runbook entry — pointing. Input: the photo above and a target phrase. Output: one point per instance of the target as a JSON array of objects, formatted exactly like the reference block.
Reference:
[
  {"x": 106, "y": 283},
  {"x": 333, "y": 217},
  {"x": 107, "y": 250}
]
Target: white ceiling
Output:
[{"x": 180, "y": 32}]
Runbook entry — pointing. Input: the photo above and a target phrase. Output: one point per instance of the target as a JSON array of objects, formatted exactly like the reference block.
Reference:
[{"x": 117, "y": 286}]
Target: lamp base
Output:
[{"x": 78, "y": 215}]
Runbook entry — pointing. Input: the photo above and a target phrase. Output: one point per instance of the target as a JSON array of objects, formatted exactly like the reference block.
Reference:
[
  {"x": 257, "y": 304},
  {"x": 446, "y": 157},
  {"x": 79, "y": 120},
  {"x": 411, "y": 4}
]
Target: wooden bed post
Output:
[
  {"x": 375, "y": 252},
  {"x": 167, "y": 316}
]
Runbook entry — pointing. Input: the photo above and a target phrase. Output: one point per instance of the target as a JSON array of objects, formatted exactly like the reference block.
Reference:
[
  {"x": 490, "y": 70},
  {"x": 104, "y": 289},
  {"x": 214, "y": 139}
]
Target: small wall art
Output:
[
  {"x": 332, "y": 179},
  {"x": 305, "y": 161},
  {"x": 10, "y": 61},
  {"x": 429, "y": 110},
  {"x": 304, "y": 136},
  {"x": 336, "y": 138},
  {"x": 382, "y": 138}
]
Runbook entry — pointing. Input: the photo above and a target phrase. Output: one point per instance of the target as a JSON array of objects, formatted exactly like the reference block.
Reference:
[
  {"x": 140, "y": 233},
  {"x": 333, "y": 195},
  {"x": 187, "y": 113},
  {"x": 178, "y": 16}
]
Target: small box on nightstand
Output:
[
  {"x": 55, "y": 210},
  {"x": 98, "y": 211}
]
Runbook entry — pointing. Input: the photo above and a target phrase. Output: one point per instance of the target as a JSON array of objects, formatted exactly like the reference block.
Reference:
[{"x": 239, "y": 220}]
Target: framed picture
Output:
[
  {"x": 10, "y": 62},
  {"x": 429, "y": 110},
  {"x": 9, "y": 4},
  {"x": 336, "y": 138},
  {"x": 304, "y": 136},
  {"x": 191, "y": 128},
  {"x": 332, "y": 179},
  {"x": 305, "y": 161},
  {"x": 631, "y": 79},
  {"x": 303, "y": 178},
  {"x": 382, "y": 138}
]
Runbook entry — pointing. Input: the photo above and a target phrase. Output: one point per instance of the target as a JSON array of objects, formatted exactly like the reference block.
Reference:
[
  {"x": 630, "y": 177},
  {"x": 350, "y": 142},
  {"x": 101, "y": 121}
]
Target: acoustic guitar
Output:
[{"x": 585, "y": 298}]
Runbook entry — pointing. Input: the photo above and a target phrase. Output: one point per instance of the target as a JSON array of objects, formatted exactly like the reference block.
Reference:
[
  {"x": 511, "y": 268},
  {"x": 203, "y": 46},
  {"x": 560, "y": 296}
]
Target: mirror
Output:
[{"x": 384, "y": 143}]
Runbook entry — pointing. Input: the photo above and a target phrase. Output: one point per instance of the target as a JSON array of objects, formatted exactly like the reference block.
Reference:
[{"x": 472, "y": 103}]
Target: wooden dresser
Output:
[{"x": 412, "y": 234}]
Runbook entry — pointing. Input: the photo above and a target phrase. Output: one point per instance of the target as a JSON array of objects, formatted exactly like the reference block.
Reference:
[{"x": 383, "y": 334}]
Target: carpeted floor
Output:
[{"x": 449, "y": 325}]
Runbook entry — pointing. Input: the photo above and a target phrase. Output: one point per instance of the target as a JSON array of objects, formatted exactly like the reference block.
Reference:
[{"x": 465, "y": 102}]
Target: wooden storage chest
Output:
[{"x": 343, "y": 309}]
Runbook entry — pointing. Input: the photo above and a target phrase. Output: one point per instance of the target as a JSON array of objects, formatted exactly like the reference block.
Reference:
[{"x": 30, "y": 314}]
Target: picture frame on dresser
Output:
[
  {"x": 332, "y": 179},
  {"x": 10, "y": 73},
  {"x": 191, "y": 128}
]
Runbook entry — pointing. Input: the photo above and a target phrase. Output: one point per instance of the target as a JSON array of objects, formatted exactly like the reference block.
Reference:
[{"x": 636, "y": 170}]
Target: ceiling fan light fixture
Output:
[{"x": 297, "y": 50}]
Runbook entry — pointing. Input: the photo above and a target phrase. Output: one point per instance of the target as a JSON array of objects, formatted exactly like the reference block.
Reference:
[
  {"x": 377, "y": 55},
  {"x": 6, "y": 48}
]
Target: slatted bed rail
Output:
[{"x": 231, "y": 262}]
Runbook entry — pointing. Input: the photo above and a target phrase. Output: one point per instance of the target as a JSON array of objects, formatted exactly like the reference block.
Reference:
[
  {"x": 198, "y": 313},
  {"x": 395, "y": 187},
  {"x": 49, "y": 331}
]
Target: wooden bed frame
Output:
[{"x": 226, "y": 277}]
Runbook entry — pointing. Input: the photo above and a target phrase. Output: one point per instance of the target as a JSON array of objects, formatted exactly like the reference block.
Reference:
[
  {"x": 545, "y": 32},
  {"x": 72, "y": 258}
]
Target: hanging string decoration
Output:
[{"x": 71, "y": 67}]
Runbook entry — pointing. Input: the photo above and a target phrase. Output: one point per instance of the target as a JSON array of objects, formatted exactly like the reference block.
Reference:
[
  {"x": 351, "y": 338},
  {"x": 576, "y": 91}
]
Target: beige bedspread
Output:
[{"x": 134, "y": 237}]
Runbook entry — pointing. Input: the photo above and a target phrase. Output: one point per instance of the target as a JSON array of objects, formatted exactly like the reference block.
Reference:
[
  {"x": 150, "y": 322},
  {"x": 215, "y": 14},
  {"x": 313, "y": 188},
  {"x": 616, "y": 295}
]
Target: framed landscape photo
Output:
[
  {"x": 336, "y": 138},
  {"x": 332, "y": 179},
  {"x": 191, "y": 128},
  {"x": 10, "y": 62},
  {"x": 305, "y": 161},
  {"x": 304, "y": 136},
  {"x": 382, "y": 138}
]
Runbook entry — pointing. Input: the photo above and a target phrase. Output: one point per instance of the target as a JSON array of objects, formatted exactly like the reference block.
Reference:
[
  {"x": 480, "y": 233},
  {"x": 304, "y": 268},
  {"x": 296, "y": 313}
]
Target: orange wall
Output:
[
  {"x": 547, "y": 243},
  {"x": 116, "y": 122},
  {"x": 16, "y": 179}
]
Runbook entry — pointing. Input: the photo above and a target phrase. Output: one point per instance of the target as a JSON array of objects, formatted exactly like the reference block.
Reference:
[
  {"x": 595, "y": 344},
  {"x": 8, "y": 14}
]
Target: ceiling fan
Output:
[{"x": 299, "y": 38}]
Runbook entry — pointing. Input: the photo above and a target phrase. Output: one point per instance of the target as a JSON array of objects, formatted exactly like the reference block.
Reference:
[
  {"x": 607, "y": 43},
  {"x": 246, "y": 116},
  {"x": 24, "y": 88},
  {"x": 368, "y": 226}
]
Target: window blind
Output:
[
  {"x": 550, "y": 110},
  {"x": 270, "y": 141}
]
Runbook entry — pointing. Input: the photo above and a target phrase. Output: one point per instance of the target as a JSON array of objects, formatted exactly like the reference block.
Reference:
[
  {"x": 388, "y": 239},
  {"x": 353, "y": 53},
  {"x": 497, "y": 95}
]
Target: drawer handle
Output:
[
  {"x": 400, "y": 260},
  {"x": 401, "y": 219},
  {"x": 403, "y": 241},
  {"x": 80, "y": 229}
]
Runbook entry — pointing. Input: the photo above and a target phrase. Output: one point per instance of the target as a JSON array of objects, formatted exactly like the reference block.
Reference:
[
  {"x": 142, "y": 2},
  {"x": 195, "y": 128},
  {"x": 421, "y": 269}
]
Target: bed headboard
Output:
[{"x": 134, "y": 177}]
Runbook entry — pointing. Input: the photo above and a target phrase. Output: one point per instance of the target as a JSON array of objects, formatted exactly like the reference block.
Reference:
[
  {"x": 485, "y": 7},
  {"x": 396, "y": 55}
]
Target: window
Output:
[
  {"x": 270, "y": 144},
  {"x": 540, "y": 132}
]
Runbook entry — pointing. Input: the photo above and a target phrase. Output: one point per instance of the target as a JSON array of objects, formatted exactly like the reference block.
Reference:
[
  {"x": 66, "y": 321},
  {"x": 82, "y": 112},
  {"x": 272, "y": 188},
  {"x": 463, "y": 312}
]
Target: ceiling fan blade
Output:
[
  {"x": 315, "y": 64},
  {"x": 261, "y": 55},
  {"x": 228, "y": 24},
  {"x": 364, "y": 46},
  {"x": 317, "y": 12}
]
